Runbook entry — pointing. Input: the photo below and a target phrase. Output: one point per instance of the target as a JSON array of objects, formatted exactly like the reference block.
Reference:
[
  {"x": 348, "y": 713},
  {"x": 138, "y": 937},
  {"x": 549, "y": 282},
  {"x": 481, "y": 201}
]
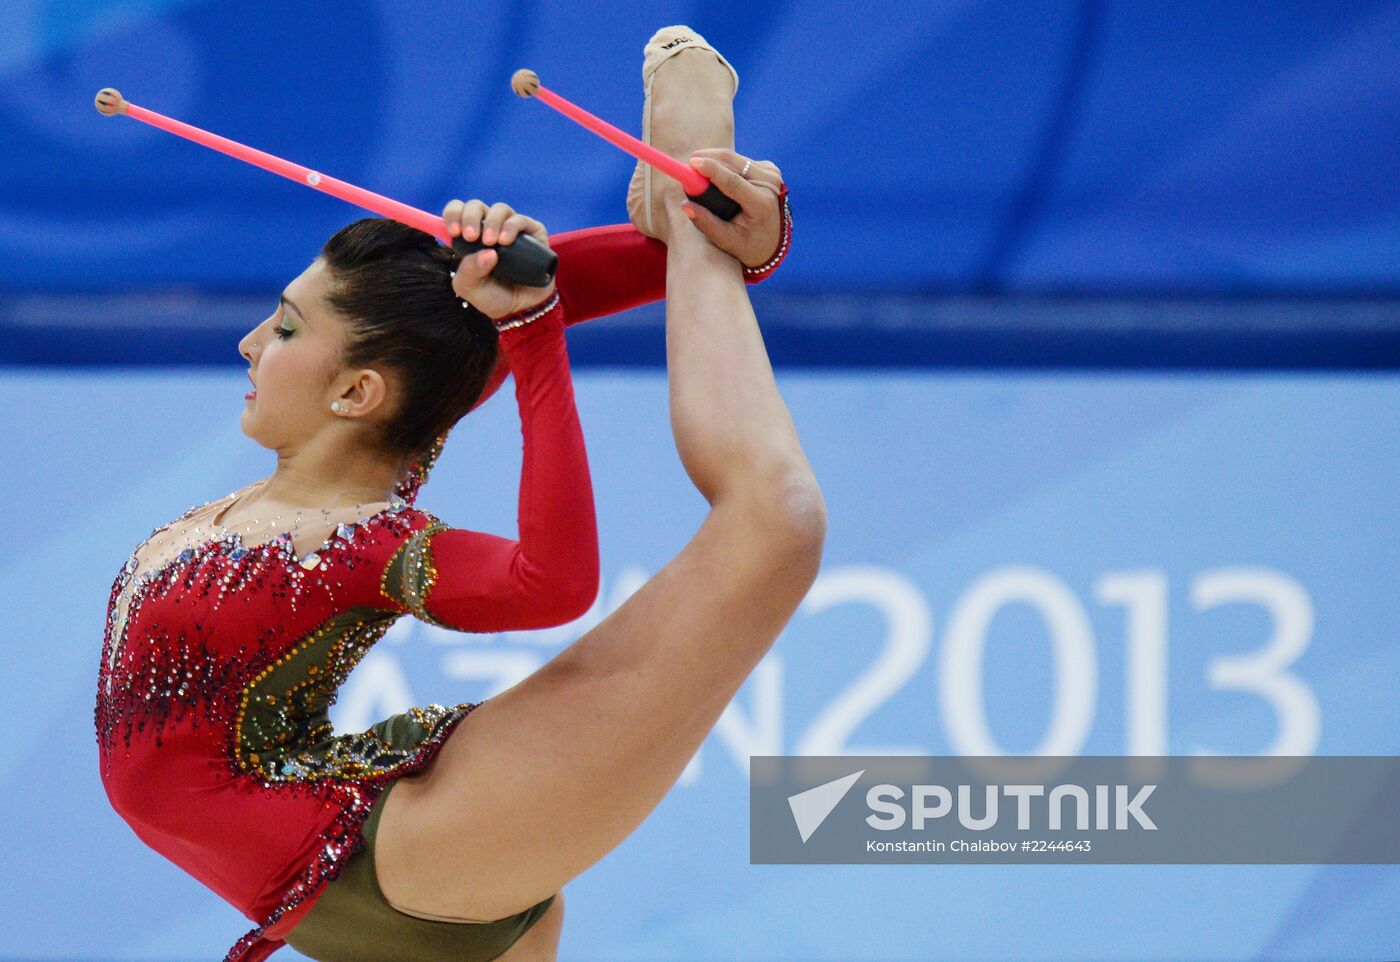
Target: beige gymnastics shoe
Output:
[{"x": 693, "y": 108}]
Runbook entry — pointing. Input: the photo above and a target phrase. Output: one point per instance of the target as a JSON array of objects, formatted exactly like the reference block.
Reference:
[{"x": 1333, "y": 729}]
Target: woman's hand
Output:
[
  {"x": 496, "y": 225},
  {"x": 753, "y": 235}
]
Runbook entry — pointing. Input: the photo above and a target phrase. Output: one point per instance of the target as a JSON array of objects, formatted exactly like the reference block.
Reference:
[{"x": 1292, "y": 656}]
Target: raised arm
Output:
[
  {"x": 472, "y": 581},
  {"x": 605, "y": 270}
]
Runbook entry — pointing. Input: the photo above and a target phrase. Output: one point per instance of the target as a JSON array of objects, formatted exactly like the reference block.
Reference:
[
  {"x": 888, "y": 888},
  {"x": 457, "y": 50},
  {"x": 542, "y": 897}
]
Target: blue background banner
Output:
[
  {"x": 1073, "y": 565},
  {"x": 931, "y": 146}
]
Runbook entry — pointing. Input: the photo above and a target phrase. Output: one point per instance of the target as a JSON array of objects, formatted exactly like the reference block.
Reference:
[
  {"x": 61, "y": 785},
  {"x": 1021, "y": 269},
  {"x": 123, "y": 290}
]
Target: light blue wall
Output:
[{"x": 940, "y": 488}]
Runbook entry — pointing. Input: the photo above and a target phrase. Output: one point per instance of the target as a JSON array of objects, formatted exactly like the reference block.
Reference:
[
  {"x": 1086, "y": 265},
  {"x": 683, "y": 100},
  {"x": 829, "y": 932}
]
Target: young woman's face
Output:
[{"x": 294, "y": 358}]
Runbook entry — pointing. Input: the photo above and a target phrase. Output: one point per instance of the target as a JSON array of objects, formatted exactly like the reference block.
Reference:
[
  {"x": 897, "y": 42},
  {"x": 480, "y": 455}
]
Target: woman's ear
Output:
[
  {"x": 374, "y": 389},
  {"x": 366, "y": 393}
]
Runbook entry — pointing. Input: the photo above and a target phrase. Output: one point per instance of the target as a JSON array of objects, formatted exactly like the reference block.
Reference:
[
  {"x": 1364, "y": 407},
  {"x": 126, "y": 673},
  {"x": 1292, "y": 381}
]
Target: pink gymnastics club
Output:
[
  {"x": 697, "y": 186},
  {"x": 525, "y": 261}
]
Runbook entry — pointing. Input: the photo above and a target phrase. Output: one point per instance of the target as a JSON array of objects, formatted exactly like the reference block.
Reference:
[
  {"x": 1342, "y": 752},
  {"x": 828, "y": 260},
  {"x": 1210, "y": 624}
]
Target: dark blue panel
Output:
[{"x": 960, "y": 147}]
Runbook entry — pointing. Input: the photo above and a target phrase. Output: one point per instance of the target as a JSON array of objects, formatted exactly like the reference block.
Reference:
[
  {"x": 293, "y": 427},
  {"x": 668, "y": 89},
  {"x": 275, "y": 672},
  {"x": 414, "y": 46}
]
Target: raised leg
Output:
[{"x": 544, "y": 779}]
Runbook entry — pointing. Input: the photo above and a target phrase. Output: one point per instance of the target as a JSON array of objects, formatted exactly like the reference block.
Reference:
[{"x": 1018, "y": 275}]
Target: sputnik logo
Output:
[{"x": 810, "y": 808}]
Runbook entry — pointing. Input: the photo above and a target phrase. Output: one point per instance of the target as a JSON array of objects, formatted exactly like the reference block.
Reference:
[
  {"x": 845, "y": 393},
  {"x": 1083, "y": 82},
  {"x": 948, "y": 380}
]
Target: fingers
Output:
[
  {"x": 748, "y": 192},
  {"x": 496, "y": 216},
  {"x": 493, "y": 227},
  {"x": 755, "y": 185},
  {"x": 473, "y": 270},
  {"x": 765, "y": 173},
  {"x": 729, "y": 182},
  {"x": 517, "y": 224},
  {"x": 722, "y": 154},
  {"x": 464, "y": 218},
  {"x": 720, "y": 232},
  {"x": 497, "y": 224}
]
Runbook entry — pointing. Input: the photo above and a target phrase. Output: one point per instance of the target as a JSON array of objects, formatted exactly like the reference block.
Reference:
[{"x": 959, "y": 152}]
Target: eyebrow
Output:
[{"x": 300, "y": 316}]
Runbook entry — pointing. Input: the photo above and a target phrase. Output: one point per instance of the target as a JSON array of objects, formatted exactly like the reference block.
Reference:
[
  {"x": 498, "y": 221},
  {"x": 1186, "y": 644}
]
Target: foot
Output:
[{"x": 689, "y": 105}]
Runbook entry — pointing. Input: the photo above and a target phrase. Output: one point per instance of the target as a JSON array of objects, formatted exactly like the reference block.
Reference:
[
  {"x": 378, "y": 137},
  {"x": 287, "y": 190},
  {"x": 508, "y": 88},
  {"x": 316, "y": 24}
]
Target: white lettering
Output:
[{"x": 876, "y": 799}]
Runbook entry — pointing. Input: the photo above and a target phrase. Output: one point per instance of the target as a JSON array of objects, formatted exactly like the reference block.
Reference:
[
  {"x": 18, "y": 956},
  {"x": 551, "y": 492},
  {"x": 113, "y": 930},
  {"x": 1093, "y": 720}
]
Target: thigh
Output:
[{"x": 542, "y": 780}]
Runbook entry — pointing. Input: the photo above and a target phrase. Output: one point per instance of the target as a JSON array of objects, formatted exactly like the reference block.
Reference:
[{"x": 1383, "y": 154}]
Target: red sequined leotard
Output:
[{"x": 218, "y": 666}]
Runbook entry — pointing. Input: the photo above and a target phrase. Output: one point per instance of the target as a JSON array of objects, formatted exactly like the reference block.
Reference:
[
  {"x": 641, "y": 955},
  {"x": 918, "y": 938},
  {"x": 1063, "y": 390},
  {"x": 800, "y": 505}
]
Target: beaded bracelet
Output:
[
  {"x": 753, "y": 274},
  {"x": 520, "y": 318}
]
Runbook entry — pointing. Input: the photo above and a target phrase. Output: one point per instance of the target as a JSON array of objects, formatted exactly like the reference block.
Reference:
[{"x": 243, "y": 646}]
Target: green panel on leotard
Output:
[
  {"x": 353, "y": 922},
  {"x": 410, "y": 573}
]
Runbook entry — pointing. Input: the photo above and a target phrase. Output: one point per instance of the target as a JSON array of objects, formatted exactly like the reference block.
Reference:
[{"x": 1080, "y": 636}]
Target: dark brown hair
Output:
[{"x": 392, "y": 284}]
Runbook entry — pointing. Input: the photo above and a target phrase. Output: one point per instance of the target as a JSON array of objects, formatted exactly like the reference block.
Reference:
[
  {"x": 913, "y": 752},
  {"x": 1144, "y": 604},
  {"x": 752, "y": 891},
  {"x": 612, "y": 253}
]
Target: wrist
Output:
[
  {"x": 513, "y": 326},
  {"x": 759, "y": 272}
]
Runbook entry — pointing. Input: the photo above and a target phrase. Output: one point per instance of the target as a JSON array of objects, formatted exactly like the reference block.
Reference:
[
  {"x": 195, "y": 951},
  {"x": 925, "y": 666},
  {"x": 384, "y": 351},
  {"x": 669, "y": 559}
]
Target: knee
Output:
[{"x": 792, "y": 520}]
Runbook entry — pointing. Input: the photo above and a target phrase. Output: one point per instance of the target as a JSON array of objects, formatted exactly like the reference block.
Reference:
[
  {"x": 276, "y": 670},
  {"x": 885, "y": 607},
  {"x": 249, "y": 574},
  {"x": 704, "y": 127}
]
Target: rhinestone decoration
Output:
[
  {"x": 169, "y": 668},
  {"x": 520, "y": 318},
  {"x": 411, "y": 574},
  {"x": 183, "y": 657},
  {"x": 344, "y": 838},
  {"x": 754, "y": 274}
]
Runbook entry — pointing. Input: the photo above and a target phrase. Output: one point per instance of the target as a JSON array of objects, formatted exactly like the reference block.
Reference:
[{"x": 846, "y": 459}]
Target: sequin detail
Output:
[
  {"x": 344, "y": 838},
  {"x": 418, "y": 471},
  {"x": 130, "y": 588},
  {"x": 173, "y": 674},
  {"x": 186, "y": 657},
  {"x": 752, "y": 275},
  {"x": 528, "y": 316},
  {"x": 282, "y": 730},
  {"x": 411, "y": 574}
]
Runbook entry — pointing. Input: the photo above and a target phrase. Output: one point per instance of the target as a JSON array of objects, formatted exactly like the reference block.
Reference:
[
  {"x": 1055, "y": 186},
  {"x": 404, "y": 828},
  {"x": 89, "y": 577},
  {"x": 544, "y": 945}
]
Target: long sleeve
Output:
[
  {"x": 606, "y": 270},
  {"x": 602, "y": 270},
  {"x": 613, "y": 268},
  {"x": 472, "y": 581}
]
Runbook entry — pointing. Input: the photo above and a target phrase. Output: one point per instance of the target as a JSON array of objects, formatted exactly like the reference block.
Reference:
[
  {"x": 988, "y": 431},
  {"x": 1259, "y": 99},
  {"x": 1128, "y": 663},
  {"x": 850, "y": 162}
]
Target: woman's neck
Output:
[{"x": 300, "y": 481}]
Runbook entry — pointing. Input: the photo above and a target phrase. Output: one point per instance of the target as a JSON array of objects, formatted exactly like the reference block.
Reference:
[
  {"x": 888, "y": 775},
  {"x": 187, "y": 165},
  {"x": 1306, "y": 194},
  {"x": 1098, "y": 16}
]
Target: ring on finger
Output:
[{"x": 745, "y": 171}]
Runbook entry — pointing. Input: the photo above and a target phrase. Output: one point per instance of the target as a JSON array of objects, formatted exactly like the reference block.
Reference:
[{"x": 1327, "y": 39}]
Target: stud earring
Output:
[{"x": 335, "y": 406}]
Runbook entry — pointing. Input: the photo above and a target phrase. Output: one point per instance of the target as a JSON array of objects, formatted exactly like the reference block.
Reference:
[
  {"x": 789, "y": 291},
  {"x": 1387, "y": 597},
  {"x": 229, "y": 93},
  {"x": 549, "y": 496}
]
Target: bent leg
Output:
[{"x": 544, "y": 779}]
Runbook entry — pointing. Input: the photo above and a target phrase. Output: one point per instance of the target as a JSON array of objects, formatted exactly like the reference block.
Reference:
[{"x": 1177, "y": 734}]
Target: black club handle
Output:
[
  {"x": 524, "y": 261},
  {"x": 716, "y": 202}
]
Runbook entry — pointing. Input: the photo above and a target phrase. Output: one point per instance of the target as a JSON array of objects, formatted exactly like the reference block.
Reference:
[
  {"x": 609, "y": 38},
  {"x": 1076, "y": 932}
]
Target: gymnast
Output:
[{"x": 446, "y": 834}]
